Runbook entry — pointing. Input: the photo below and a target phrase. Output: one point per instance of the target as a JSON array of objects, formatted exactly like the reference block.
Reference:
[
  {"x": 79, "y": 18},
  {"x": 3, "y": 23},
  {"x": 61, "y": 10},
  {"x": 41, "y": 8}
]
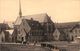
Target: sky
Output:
[{"x": 59, "y": 10}]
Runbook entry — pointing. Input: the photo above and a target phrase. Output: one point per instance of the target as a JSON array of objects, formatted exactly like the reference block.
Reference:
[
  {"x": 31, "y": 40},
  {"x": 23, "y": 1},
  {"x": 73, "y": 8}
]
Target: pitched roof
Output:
[
  {"x": 66, "y": 25},
  {"x": 33, "y": 24},
  {"x": 47, "y": 19},
  {"x": 76, "y": 26},
  {"x": 37, "y": 17},
  {"x": 25, "y": 26}
]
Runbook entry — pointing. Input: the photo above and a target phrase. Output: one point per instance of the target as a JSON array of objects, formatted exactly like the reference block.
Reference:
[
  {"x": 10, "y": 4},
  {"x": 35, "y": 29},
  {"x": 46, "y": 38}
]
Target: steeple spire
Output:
[{"x": 20, "y": 12}]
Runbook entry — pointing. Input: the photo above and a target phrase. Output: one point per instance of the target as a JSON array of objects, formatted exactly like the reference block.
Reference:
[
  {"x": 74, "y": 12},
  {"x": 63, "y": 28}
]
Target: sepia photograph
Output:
[{"x": 39, "y": 25}]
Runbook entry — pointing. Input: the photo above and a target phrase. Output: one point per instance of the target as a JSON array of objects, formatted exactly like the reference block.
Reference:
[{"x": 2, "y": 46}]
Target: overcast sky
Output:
[{"x": 59, "y": 10}]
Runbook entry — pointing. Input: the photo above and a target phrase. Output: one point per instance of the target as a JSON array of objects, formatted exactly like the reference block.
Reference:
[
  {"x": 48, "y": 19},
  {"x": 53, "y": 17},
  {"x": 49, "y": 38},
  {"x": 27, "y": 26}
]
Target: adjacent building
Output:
[
  {"x": 4, "y": 35},
  {"x": 68, "y": 31}
]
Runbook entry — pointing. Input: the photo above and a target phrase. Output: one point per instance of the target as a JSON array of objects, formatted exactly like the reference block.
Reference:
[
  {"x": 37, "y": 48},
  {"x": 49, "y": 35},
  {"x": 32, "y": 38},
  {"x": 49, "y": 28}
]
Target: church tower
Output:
[{"x": 20, "y": 11}]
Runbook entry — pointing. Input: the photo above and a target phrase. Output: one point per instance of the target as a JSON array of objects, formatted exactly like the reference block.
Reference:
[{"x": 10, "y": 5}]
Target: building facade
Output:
[{"x": 32, "y": 28}]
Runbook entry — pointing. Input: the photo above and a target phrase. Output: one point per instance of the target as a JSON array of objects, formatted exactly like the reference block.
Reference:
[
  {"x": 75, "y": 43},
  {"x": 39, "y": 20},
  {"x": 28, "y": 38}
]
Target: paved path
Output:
[{"x": 21, "y": 47}]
